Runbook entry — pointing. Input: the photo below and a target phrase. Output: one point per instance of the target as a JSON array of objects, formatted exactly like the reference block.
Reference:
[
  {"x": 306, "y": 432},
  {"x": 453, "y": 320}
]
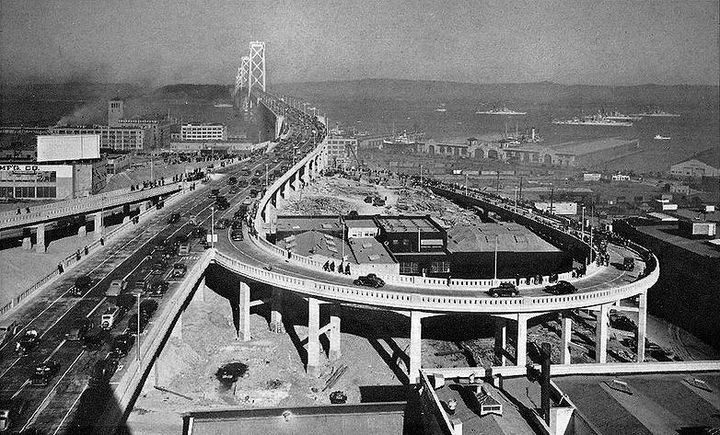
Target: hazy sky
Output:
[{"x": 185, "y": 41}]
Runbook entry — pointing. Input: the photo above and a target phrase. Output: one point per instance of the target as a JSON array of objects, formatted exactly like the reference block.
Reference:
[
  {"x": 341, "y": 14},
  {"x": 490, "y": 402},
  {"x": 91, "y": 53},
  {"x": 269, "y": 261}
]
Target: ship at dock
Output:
[
  {"x": 657, "y": 113},
  {"x": 617, "y": 116},
  {"x": 501, "y": 111},
  {"x": 599, "y": 119}
]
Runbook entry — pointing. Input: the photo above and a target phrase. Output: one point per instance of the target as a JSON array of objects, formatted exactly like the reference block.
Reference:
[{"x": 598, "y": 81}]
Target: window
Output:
[
  {"x": 409, "y": 267},
  {"x": 440, "y": 267},
  {"x": 46, "y": 192}
]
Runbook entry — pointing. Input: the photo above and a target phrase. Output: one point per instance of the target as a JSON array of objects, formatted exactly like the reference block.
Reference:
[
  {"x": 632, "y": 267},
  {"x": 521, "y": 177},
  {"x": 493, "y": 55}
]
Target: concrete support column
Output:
[
  {"x": 501, "y": 340},
  {"x": 244, "y": 312},
  {"x": 313, "y": 345},
  {"x": 641, "y": 326},
  {"x": 27, "y": 243},
  {"x": 565, "y": 338},
  {"x": 415, "y": 346},
  {"x": 521, "y": 342},
  {"x": 200, "y": 292},
  {"x": 82, "y": 231},
  {"x": 295, "y": 182},
  {"x": 276, "y": 323},
  {"x": 40, "y": 239},
  {"x": 99, "y": 229},
  {"x": 601, "y": 333},
  {"x": 334, "y": 338},
  {"x": 286, "y": 189}
]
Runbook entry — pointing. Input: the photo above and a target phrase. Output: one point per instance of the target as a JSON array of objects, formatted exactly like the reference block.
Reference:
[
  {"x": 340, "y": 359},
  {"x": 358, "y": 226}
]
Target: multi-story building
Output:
[
  {"x": 157, "y": 129},
  {"x": 203, "y": 132},
  {"x": 115, "y": 138},
  {"x": 341, "y": 151}
]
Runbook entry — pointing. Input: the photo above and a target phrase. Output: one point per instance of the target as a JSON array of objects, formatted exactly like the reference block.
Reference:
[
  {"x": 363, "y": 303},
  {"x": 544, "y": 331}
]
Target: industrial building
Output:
[
  {"x": 157, "y": 129},
  {"x": 66, "y": 167},
  {"x": 705, "y": 164},
  {"x": 112, "y": 138},
  {"x": 417, "y": 245},
  {"x": 340, "y": 151},
  {"x": 203, "y": 132}
]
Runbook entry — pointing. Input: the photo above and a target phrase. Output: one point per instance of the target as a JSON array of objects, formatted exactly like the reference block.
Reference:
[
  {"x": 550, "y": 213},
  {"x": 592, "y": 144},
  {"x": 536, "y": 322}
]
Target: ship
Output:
[
  {"x": 224, "y": 105},
  {"x": 503, "y": 111},
  {"x": 617, "y": 116},
  {"x": 598, "y": 119},
  {"x": 657, "y": 113},
  {"x": 660, "y": 137},
  {"x": 402, "y": 139},
  {"x": 441, "y": 108}
]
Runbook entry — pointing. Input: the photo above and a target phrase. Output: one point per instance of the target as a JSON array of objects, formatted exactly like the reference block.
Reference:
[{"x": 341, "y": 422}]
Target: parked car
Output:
[
  {"x": 504, "y": 289},
  {"x": 184, "y": 249},
  {"x": 369, "y": 280},
  {"x": 236, "y": 236},
  {"x": 79, "y": 330},
  {"x": 175, "y": 217},
  {"x": 148, "y": 307},
  {"x": 44, "y": 373},
  {"x": 561, "y": 288},
  {"x": 116, "y": 287},
  {"x": 27, "y": 342},
  {"x": 221, "y": 224},
  {"x": 628, "y": 263}
]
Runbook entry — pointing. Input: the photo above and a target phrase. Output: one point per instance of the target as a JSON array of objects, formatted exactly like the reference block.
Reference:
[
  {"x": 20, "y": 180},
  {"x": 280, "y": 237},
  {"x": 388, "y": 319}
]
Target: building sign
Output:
[{"x": 431, "y": 242}]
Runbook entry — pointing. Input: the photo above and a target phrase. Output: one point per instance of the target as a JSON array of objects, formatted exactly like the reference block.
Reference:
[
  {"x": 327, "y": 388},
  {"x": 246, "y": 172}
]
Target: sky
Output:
[{"x": 158, "y": 42}]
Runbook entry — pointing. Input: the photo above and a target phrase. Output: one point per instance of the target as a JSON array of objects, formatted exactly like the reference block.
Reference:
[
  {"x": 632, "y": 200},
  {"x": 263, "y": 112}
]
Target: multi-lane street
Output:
[{"x": 134, "y": 257}]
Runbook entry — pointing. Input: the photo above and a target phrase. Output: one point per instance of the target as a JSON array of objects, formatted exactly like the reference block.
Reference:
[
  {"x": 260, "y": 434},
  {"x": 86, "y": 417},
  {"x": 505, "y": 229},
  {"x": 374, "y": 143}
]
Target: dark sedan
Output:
[{"x": 561, "y": 288}]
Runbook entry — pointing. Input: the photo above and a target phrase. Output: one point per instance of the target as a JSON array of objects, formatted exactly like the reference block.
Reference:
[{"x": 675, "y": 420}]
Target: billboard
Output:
[
  {"x": 564, "y": 208},
  {"x": 68, "y": 147}
]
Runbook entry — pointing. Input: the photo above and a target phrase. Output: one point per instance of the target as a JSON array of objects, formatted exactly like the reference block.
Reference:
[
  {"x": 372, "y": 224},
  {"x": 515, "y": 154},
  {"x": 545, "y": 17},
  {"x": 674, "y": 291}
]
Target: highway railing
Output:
[
  {"x": 87, "y": 205},
  {"x": 435, "y": 302}
]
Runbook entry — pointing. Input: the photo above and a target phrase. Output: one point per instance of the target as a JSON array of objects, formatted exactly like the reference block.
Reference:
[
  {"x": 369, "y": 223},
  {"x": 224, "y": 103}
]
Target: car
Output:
[
  {"x": 79, "y": 330},
  {"x": 214, "y": 193},
  {"x": 92, "y": 342},
  {"x": 27, "y": 342},
  {"x": 236, "y": 236},
  {"x": 369, "y": 280},
  {"x": 158, "y": 289},
  {"x": 122, "y": 344},
  {"x": 158, "y": 266},
  {"x": 44, "y": 373},
  {"x": 11, "y": 410},
  {"x": 628, "y": 263},
  {"x": 8, "y": 330},
  {"x": 232, "y": 180},
  {"x": 82, "y": 285},
  {"x": 184, "y": 249},
  {"x": 561, "y": 288},
  {"x": 504, "y": 289},
  {"x": 116, "y": 287},
  {"x": 221, "y": 224},
  {"x": 148, "y": 307},
  {"x": 132, "y": 327},
  {"x": 199, "y": 232},
  {"x": 174, "y": 218},
  {"x": 102, "y": 372},
  {"x": 222, "y": 203},
  {"x": 179, "y": 270},
  {"x": 236, "y": 224}
]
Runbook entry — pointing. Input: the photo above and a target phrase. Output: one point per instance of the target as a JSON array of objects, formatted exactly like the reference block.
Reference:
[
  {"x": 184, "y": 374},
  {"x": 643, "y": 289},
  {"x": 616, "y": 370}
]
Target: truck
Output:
[{"x": 110, "y": 317}]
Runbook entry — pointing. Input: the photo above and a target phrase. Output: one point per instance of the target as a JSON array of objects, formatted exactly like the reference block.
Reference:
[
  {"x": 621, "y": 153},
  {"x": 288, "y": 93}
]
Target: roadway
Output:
[{"x": 54, "y": 312}]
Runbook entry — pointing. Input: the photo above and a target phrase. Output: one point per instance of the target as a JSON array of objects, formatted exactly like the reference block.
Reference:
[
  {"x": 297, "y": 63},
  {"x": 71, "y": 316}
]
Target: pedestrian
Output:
[
  {"x": 18, "y": 212},
  {"x": 332, "y": 266},
  {"x": 341, "y": 267},
  {"x": 326, "y": 266},
  {"x": 60, "y": 268},
  {"x": 102, "y": 241},
  {"x": 87, "y": 251},
  {"x": 448, "y": 280},
  {"x": 347, "y": 269},
  {"x": 27, "y": 210},
  {"x": 77, "y": 255}
]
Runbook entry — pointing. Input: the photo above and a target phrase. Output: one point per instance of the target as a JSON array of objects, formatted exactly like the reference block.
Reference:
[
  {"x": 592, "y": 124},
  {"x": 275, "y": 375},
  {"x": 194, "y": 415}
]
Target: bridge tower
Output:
[
  {"x": 241, "y": 83},
  {"x": 256, "y": 72}
]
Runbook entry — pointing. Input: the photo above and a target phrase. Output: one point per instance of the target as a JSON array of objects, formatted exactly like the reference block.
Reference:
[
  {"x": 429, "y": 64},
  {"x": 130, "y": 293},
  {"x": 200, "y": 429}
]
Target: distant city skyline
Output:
[{"x": 598, "y": 42}]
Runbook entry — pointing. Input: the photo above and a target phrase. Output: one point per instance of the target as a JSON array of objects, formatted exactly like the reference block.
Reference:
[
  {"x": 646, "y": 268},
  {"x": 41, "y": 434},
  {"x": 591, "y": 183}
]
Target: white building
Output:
[
  {"x": 340, "y": 151},
  {"x": 116, "y": 138},
  {"x": 203, "y": 132}
]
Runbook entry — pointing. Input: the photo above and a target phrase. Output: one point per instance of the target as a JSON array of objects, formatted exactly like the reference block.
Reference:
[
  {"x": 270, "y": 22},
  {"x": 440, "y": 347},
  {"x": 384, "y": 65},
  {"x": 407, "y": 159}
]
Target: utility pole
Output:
[
  {"x": 212, "y": 227},
  {"x": 497, "y": 183},
  {"x": 137, "y": 353},
  {"x": 496, "y": 256},
  {"x": 466, "y": 184},
  {"x": 266, "y": 176},
  {"x": 421, "y": 176}
]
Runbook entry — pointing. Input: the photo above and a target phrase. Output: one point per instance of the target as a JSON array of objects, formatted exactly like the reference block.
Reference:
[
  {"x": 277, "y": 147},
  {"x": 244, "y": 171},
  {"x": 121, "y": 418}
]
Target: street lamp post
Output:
[
  {"x": 466, "y": 184},
  {"x": 582, "y": 225},
  {"x": 137, "y": 342},
  {"x": 496, "y": 258},
  {"x": 212, "y": 227},
  {"x": 266, "y": 176}
]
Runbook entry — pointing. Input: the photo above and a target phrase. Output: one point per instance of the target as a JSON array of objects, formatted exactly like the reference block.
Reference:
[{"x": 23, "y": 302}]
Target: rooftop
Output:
[
  {"x": 369, "y": 250},
  {"x": 511, "y": 237},
  {"x": 697, "y": 216},
  {"x": 669, "y": 234},
  {"x": 651, "y": 403},
  {"x": 407, "y": 224},
  {"x": 710, "y": 157},
  {"x": 307, "y": 223},
  {"x": 314, "y": 243},
  {"x": 360, "y": 223}
]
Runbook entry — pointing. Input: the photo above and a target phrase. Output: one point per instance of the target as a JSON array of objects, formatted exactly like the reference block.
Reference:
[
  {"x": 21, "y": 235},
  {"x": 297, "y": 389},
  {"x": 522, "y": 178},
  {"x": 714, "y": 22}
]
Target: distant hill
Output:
[
  {"x": 504, "y": 93},
  {"x": 71, "y": 91},
  {"x": 192, "y": 92}
]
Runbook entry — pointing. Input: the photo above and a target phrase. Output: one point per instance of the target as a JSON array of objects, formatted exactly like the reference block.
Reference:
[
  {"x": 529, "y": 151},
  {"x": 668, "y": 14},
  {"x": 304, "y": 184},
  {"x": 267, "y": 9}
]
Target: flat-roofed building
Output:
[
  {"x": 373, "y": 256},
  {"x": 203, "y": 132},
  {"x": 704, "y": 164},
  {"x": 115, "y": 138},
  {"x": 361, "y": 228}
]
